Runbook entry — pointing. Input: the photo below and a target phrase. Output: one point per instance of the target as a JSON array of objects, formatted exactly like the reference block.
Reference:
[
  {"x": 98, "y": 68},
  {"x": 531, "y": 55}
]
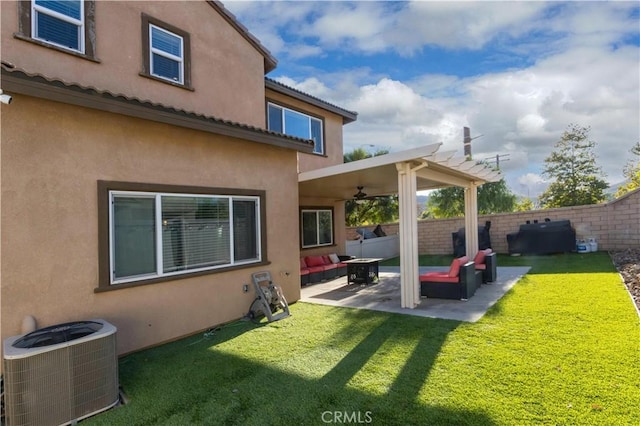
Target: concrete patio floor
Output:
[{"x": 385, "y": 295}]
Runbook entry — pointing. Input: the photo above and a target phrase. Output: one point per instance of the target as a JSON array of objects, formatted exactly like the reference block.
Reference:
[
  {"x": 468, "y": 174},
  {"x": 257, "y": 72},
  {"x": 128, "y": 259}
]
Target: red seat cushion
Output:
[
  {"x": 481, "y": 267},
  {"x": 304, "y": 271},
  {"x": 438, "y": 277}
]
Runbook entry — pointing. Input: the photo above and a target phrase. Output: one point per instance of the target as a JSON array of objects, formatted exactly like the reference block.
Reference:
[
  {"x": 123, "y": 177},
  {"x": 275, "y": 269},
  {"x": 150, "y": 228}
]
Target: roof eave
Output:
[
  {"x": 18, "y": 82},
  {"x": 347, "y": 116}
]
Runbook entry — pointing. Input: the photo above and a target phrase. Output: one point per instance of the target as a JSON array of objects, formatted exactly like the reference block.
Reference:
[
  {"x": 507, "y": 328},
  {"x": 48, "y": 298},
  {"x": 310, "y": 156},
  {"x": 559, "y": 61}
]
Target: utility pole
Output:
[{"x": 467, "y": 141}]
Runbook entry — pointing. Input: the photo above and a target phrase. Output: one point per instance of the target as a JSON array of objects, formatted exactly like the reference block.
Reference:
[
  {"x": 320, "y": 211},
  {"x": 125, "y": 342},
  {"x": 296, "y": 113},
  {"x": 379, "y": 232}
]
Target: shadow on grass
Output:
[{"x": 378, "y": 372}]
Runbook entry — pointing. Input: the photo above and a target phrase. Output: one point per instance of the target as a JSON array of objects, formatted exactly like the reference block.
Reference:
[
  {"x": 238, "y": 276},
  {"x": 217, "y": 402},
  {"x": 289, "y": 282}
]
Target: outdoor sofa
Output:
[
  {"x": 459, "y": 282},
  {"x": 318, "y": 268}
]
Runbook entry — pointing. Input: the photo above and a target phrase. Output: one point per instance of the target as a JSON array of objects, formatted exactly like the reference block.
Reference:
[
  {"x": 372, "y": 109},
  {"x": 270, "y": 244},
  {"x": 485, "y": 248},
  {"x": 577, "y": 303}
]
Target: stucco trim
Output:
[
  {"x": 148, "y": 20},
  {"x": 104, "y": 283},
  {"x": 333, "y": 226},
  {"x": 19, "y": 82}
]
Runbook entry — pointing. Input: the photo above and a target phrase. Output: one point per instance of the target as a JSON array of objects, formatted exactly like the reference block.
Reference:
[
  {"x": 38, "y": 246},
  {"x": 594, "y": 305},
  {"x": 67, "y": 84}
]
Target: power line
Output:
[{"x": 496, "y": 160}]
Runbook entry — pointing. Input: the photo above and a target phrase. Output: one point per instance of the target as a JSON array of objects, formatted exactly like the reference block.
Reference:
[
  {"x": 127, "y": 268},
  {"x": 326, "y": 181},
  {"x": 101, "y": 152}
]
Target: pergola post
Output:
[
  {"x": 471, "y": 219},
  {"x": 408, "y": 208}
]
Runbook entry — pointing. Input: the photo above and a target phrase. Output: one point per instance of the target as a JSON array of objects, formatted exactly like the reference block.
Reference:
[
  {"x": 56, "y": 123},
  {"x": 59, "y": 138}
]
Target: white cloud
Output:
[
  {"x": 530, "y": 185},
  {"x": 578, "y": 71}
]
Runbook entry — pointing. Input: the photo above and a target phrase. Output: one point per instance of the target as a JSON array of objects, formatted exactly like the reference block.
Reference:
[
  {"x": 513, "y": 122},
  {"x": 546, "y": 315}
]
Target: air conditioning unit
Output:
[{"x": 60, "y": 374}]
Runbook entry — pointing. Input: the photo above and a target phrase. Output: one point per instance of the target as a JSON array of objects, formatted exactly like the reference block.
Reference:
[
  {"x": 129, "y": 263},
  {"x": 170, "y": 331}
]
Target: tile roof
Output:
[
  {"x": 17, "y": 80},
  {"x": 347, "y": 116}
]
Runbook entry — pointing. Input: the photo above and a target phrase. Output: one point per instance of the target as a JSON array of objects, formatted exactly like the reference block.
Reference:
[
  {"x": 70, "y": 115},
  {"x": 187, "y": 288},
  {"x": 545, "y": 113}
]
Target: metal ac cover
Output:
[{"x": 60, "y": 374}]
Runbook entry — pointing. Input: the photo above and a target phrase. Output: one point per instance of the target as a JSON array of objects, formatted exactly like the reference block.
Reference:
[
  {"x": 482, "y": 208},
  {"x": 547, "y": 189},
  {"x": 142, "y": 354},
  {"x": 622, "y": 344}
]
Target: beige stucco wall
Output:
[
  {"x": 52, "y": 157},
  {"x": 332, "y": 132},
  {"x": 615, "y": 225},
  {"x": 227, "y": 72}
]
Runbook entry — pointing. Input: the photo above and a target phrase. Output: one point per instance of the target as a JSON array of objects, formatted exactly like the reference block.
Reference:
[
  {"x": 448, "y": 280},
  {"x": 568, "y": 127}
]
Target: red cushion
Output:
[
  {"x": 454, "y": 269},
  {"x": 314, "y": 260},
  {"x": 314, "y": 269},
  {"x": 479, "y": 259},
  {"x": 438, "y": 277},
  {"x": 304, "y": 271},
  {"x": 302, "y": 263},
  {"x": 329, "y": 267},
  {"x": 481, "y": 266},
  {"x": 327, "y": 260},
  {"x": 432, "y": 274}
]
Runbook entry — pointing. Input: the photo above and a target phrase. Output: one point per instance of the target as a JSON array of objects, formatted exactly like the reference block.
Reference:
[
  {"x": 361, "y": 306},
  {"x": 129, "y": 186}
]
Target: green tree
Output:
[
  {"x": 576, "y": 179},
  {"x": 631, "y": 171},
  {"x": 369, "y": 211},
  {"x": 525, "y": 205},
  {"x": 493, "y": 197}
]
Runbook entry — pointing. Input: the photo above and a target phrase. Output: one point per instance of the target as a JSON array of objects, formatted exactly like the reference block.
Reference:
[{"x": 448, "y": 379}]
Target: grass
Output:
[{"x": 560, "y": 348}]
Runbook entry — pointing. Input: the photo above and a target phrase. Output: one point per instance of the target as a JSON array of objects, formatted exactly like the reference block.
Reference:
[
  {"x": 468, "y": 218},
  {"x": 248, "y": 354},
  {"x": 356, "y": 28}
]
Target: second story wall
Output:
[{"x": 224, "y": 72}]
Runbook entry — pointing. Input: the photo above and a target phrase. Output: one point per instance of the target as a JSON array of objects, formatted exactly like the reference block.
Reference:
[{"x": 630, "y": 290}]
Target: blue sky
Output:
[{"x": 517, "y": 73}]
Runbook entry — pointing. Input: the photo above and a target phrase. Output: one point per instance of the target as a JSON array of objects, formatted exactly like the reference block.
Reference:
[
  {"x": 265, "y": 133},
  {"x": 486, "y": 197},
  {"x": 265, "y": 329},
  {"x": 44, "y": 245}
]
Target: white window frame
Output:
[
  {"x": 159, "y": 273},
  {"x": 152, "y": 51},
  {"x": 317, "y": 211},
  {"x": 36, "y": 9},
  {"x": 321, "y": 145}
]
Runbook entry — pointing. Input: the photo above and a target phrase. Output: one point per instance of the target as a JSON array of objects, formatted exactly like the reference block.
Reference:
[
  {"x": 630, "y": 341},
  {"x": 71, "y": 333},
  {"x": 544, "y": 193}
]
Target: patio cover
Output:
[{"x": 404, "y": 173}]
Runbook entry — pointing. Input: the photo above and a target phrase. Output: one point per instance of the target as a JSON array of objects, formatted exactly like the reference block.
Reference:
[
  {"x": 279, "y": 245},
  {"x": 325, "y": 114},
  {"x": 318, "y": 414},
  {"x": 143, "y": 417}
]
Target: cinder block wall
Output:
[{"x": 615, "y": 225}]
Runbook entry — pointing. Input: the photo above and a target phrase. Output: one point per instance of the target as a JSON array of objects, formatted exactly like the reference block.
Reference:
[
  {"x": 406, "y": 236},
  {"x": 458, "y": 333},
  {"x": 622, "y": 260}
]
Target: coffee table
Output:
[{"x": 362, "y": 271}]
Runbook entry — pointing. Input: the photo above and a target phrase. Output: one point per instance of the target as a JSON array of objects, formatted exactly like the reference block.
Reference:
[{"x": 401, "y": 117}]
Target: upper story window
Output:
[
  {"x": 294, "y": 123},
  {"x": 166, "y": 51},
  {"x": 59, "y": 22},
  {"x": 63, "y": 25}
]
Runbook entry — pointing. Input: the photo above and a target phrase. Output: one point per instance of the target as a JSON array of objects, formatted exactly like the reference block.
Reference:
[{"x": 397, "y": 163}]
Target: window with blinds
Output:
[
  {"x": 166, "y": 50},
  {"x": 159, "y": 234},
  {"x": 60, "y": 23}
]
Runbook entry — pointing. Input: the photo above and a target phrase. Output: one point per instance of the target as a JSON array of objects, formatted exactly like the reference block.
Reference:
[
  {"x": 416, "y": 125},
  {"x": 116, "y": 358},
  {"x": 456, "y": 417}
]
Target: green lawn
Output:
[{"x": 560, "y": 348}]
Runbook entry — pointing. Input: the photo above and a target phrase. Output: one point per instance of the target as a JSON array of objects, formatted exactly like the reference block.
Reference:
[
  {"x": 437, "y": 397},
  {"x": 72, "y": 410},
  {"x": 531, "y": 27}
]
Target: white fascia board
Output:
[
  {"x": 371, "y": 162},
  {"x": 442, "y": 177},
  {"x": 443, "y": 157}
]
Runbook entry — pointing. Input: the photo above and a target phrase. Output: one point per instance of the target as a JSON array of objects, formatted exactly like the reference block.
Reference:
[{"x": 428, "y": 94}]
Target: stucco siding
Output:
[
  {"x": 227, "y": 73},
  {"x": 52, "y": 157}
]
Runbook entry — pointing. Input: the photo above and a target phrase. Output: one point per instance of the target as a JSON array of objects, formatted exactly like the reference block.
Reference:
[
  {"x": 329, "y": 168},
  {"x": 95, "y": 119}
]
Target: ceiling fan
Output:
[{"x": 358, "y": 196}]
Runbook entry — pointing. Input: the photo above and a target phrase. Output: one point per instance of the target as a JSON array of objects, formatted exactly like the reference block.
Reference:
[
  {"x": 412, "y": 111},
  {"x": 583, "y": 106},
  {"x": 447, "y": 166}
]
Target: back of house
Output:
[{"x": 147, "y": 167}]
